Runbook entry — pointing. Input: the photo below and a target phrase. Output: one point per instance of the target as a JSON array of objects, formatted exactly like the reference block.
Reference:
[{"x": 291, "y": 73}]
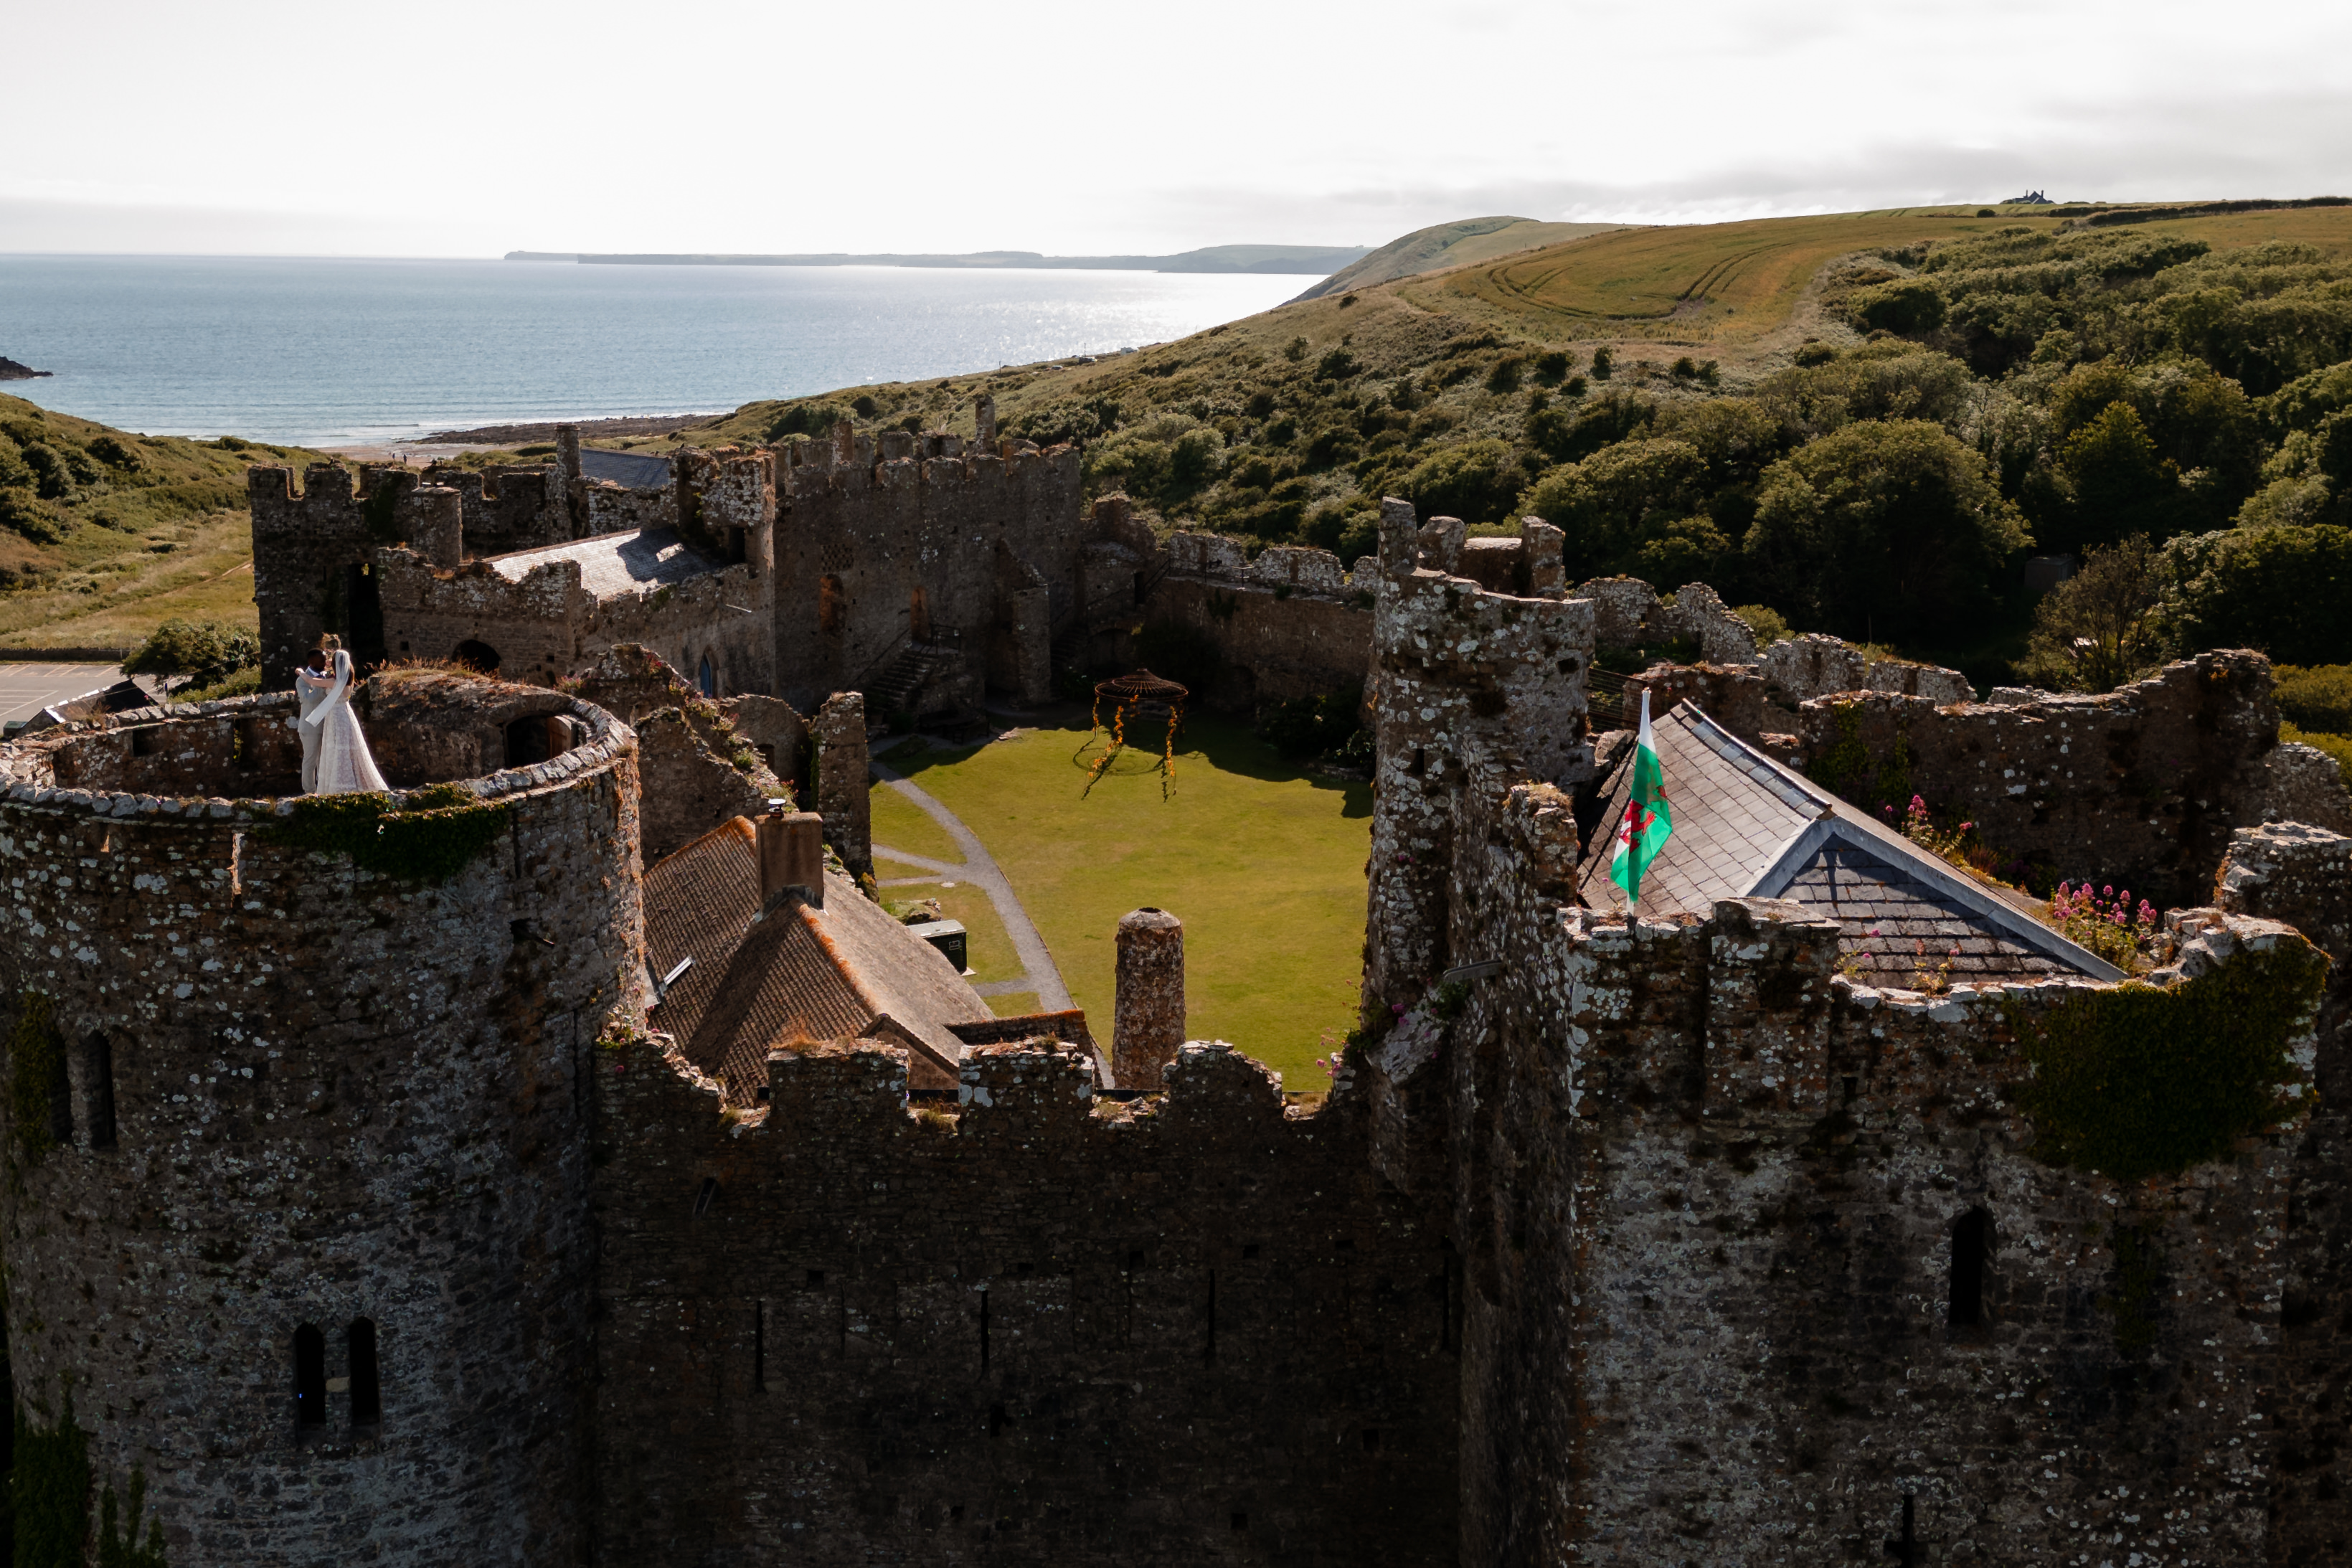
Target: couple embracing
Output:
[{"x": 335, "y": 756}]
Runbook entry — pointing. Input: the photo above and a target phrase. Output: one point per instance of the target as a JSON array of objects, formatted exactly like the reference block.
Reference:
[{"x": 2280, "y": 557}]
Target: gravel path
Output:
[{"x": 1038, "y": 973}]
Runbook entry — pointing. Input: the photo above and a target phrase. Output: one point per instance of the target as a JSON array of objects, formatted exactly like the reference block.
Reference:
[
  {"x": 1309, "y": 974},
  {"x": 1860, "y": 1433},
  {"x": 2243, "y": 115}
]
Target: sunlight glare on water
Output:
[{"x": 320, "y": 352}]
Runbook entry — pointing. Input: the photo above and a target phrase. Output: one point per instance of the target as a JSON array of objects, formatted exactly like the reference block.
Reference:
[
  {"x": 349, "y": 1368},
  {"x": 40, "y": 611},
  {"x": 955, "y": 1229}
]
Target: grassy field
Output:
[
  {"x": 1721, "y": 285},
  {"x": 107, "y": 533},
  {"x": 1264, "y": 864}
]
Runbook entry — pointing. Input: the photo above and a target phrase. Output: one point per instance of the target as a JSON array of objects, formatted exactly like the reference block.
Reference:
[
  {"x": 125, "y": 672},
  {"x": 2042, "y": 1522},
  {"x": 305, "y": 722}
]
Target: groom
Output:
[{"x": 311, "y": 684}]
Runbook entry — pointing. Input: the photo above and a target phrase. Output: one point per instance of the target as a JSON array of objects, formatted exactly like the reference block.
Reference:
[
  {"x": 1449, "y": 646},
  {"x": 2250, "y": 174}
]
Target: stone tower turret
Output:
[{"x": 299, "y": 1223}]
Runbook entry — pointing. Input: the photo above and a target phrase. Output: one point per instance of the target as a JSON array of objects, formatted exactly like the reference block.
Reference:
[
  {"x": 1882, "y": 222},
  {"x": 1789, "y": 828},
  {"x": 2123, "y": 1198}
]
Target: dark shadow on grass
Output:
[
  {"x": 1233, "y": 748},
  {"x": 1225, "y": 744}
]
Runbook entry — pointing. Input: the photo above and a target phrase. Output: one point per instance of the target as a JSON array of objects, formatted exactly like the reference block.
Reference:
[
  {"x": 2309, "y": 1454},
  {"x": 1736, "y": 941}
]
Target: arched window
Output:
[
  {"x": 1971, "y": 1245},
  {"x": 476, "y": 655},
  {"x": 919, "y": 616},
  {"x": 310, "y": 1376},
  {"x": 367, "y": 1385},
  {"x": 832, "y": 606},
  {"x": 708, "y": 678}
]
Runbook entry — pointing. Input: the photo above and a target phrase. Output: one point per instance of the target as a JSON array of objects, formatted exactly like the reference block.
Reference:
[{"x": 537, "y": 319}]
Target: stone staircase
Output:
[{"x": 902, "y": 678}]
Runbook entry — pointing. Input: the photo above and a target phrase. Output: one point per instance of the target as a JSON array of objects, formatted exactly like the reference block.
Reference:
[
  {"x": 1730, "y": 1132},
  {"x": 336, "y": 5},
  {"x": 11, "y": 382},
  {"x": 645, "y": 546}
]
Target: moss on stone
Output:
[
  {"x": 441, "y": 832},
  {"x": 36, "y": 1066},
  {"x": 2139, "y": 1081}
]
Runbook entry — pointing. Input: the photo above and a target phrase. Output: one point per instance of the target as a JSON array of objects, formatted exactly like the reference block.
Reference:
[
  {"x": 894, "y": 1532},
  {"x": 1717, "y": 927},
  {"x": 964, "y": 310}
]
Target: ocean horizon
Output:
[{"x": 324, "y": 352}]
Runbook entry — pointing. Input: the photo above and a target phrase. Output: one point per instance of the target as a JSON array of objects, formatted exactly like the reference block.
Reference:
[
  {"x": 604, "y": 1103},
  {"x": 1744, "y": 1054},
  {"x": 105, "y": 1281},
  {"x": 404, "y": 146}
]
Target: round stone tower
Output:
[
  {"x": 296, "y": 1115},
  {"x": 1147, "y": 1023}
]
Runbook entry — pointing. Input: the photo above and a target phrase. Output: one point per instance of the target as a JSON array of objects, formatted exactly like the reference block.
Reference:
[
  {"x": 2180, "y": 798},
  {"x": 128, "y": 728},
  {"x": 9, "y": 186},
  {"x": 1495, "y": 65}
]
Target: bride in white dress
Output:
[{"x": 338, "y": 761}]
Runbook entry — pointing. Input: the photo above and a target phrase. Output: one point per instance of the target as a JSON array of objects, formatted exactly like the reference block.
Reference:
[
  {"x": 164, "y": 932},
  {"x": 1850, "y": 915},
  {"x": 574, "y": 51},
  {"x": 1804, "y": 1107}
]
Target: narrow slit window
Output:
[
  {"x": 310, "y": 1376},
  {"x": 367, "y": 1382},
  {"x": 61, "y": 1106},
  {"x": 1971, "y": 1240},
  {"x": 98, "y": 1058},
  {"x": 759, "y": 1347}
]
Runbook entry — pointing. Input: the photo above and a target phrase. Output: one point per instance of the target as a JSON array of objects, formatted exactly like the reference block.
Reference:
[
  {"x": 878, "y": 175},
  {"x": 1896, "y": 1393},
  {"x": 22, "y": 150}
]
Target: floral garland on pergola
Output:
[{"x": 1140, "y": 691}]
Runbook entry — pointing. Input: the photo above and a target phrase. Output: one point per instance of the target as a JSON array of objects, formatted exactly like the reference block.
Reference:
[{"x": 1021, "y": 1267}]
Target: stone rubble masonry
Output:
[
  {"x": 1730, "y": 694},
  {"x": 2139, "y": 787},
  {"x": 437, "y": 527},
  {"x": 843, "y": 781},
  {"x": 1028, "y": 1325},
  {"x": 1703, "y": 1191},
  {"x": 1707, "y": 1192},
  {"x": 2302, "y": 875},
  {"x": 1816, "y": 664},
  {"x": 1628, "y": 614},
  {"x": 1149, "y": 1000},
  {"x": 1466, "y": 680},
  {"x": 335, "y": 1096},
  {"x": 836, "y": 551},
  {"x": 698, "y": 768},
  {"x": 867, "y": 531}
]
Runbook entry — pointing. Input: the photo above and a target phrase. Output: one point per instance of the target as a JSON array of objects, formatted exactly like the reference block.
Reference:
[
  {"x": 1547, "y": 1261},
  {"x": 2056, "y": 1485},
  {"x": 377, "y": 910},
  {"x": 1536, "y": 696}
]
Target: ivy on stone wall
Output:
[
  {"x": 37, "y": 1067},
  {"x": 2139, "y": 1081},
  {"x": 116, "y": 1550},
  {"x": 49, "y": 1503},
  {"x": 1848, "y": 768},
  {"x": 442, "y": 831},
  {"x": 49, "y": 1493}
]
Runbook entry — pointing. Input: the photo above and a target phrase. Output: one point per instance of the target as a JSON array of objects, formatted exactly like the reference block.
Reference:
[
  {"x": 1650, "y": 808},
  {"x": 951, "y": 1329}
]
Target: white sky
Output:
[{"x": 440, "y": 129}]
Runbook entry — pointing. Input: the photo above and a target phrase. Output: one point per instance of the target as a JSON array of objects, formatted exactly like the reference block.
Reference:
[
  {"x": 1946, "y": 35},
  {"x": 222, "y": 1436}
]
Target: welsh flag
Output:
[{"x": 1648, "y": 822}]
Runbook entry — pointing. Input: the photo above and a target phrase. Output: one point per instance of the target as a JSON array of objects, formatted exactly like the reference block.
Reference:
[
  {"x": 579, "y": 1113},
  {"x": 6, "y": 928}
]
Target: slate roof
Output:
[
  {"x": 797, "y": 973},
  {"x": 1746, "y": 826},
  {"x": 636, "y": 470},
  {"x": 614, "y": 563}
]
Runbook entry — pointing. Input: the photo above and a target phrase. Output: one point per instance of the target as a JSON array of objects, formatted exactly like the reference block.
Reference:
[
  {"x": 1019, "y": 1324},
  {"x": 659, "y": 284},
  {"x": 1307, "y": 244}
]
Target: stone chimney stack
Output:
[
  {"x": 1149, "y": 1015},
  {"x": 984, "y": 418},
  {"x": 572, "y": 495},
  {"x": 437, "y": 527},
  {"x": 792, "y": 856}
]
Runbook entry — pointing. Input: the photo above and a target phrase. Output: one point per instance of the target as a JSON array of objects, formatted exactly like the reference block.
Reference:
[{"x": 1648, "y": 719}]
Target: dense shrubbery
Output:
[
  {"x": 204, "y": 653},
  {"x": 1883, "y": 523}
]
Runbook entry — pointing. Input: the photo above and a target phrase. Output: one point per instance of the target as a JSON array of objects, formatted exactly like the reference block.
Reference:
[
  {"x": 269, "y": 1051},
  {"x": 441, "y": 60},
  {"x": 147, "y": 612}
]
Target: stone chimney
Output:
[
  {"x": 436, "y": 527},
  {"x": 984, "y": 418},
  {"x": 792, "y": 856},
  {"x": 1149, "y": 1015}
]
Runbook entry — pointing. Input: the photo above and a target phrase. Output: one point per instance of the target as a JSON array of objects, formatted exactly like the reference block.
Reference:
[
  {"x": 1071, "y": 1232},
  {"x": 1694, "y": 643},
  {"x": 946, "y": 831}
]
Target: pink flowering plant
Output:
[{"x": 2105, "y": 920}]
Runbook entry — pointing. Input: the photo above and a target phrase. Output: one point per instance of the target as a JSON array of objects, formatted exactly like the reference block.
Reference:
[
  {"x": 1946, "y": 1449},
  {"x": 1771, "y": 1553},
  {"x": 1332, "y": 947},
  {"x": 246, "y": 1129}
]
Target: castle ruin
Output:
[{"x": 362, "y": 1205}]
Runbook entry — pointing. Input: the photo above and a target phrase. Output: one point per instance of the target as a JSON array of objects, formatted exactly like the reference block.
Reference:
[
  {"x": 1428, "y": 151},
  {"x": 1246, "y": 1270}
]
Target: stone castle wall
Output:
[
  {"x": 2303, "y": 875},
  {"x": 873, "y": 539},
  {"x": 2140, "y": 787},
  {"x": 297, "y": 1091},
  {"x": 1025, "y": 1327},
  {"x": 1710, "y": 1197}
]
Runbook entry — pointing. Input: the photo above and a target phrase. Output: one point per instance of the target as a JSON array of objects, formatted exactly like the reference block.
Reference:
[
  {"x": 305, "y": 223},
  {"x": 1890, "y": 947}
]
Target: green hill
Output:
[
  {"x": 1865, "y": 422},
  {"x": 104, "y": 534},
  {"x": 1451, "y": 245}
]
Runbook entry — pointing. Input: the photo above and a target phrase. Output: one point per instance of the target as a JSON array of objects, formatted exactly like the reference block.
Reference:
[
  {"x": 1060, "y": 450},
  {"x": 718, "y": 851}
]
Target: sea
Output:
[{"x": 332, "y": 352}]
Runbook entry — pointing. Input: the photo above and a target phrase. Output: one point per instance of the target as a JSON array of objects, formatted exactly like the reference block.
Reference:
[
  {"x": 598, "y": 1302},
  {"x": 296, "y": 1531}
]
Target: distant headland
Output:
[
  {"x": 1315, "y": 259},
  {"x": 11, "y": 371}
]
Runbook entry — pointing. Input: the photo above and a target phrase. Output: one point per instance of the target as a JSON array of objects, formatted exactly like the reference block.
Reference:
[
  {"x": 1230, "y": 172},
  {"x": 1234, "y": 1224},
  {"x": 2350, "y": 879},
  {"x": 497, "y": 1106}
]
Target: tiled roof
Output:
[
  {"x": 1746, "y": 826},
  {"x": 1897, "y": 926},
  {"x": 1731, "y": 821},
  {"x": 614, "y": 563},
  {"x": 798, "y": 973}
]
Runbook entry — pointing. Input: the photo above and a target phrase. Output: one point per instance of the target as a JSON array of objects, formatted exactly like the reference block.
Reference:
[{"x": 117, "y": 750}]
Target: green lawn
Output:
[{"x": 1263, "y": 863}]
